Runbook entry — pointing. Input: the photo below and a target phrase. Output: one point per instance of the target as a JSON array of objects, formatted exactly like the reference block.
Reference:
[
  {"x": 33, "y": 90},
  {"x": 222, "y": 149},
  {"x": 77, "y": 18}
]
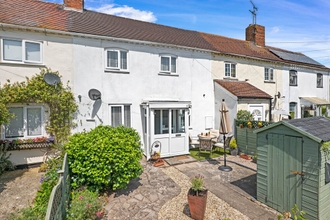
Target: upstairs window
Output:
[
  {"x": 21, "y": 51},
  {"x": 293, "y": 78},
  {"x": 117, "y": 59},
  {"x": 319, "y": 80},
  {"x": 269, "y": 74},
  {"x": 168, "y": 64},
  {"x": 230, "y": 70},
  {"x": 26, "y": 123}
]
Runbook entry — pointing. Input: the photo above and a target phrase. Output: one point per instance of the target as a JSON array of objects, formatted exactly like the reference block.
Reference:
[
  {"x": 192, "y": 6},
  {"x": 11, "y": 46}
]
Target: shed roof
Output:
[
  {"x": 317, "y": 128},
  {"x": 51, "y": 16},
  {"x": 242, "y": 89}
]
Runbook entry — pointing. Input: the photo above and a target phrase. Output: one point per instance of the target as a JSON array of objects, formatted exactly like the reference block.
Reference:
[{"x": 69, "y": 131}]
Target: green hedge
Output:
[{"x": 105, "y": 157}]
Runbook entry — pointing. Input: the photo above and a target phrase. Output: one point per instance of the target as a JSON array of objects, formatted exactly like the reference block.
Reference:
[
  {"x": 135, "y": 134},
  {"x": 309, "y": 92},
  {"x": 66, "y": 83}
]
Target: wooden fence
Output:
[
  {"x": 246, "y": 140},
  {"x": 59, "y": 197}
]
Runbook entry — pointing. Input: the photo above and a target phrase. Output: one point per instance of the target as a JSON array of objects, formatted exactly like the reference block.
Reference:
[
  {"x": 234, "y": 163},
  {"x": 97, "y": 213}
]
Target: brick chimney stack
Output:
[
  {"x": 77, "y": 5},
  {"x": 256, "y": 34}
]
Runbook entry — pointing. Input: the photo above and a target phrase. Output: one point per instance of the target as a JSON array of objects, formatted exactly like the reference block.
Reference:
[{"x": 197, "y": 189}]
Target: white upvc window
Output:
[
  {"x": 116, "y": 59},
  {"x": 21, "y": 51},
  {"x": 230, "y": 69},
  {"x": 293, "y": 78},
  {"x": 319, "y": 80},
  {"x": 120, "y": 115},
  {"x": 168, "y": 64},
  {"x": 269, "y": 74},
  {"x": 27, "y": 122}
]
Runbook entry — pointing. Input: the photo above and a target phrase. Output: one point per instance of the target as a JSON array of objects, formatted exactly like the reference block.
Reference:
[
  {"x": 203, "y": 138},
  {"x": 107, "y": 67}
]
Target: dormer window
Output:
[{"x": 230, "y": 70}]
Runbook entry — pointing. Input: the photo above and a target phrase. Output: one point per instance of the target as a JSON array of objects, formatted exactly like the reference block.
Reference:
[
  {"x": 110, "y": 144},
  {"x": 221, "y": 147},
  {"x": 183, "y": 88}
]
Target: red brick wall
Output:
[
  {"x": 76, "y": 4},
  {"x": 256, "y": 34}
]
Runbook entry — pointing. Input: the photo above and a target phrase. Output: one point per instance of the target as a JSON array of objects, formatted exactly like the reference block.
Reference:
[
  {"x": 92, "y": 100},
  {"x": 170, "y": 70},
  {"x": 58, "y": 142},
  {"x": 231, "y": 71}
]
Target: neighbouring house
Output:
[
  {"x": 154, "y": 78},
  {"x": 293, "y": 168}
]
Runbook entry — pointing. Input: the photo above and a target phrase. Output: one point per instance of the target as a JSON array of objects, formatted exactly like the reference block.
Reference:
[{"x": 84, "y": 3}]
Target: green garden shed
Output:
[{"x": 293, "y": 167}]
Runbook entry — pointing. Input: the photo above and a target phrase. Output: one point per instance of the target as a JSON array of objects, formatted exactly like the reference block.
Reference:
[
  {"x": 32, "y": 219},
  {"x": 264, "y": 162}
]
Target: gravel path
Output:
[
  {"x": 17, "y": 189},
  {"x": 177, "y": 208}
]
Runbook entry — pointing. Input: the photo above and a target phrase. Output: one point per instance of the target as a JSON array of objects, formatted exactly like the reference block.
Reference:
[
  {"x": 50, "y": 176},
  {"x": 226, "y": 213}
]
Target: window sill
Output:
[
  {"x": 116, "y": 71},
  {"x": 294, "y": 85},
  {"x": 22, "y": 64},
  {"x": 167, "y": 74},
  {"x": 268, "y": 81},
  {"x": 230, "y": 78}
]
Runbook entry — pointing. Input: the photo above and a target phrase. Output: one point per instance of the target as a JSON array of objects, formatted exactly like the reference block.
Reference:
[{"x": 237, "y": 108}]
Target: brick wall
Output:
[{"x": 256, "y": 34}]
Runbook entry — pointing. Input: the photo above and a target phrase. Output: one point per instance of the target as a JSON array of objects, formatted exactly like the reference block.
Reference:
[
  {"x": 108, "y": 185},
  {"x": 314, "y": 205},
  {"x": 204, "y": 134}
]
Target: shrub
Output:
[
  {"x": 197, "y": 184},
  {"x": 244, "y": 115},
  {"x": 5, "y": 163},
  {"x": 105, "y": 157},
  {"x": 84, "y": 205},
  {"x": 233, "y": 144}
]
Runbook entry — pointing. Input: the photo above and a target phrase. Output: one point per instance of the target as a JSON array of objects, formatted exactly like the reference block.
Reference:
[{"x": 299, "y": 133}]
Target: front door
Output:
[
  {"x": 285, "y": 177},
  {"x": 169, "y": 126}
]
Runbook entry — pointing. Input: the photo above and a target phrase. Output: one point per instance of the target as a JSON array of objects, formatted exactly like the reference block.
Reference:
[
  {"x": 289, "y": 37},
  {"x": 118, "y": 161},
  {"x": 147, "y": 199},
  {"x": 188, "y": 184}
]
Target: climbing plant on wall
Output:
[{"x": 59, "y": 99}]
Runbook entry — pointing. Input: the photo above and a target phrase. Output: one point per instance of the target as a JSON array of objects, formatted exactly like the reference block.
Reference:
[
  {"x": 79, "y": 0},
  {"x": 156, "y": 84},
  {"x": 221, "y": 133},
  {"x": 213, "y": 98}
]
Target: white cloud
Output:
[
  {"x": 275, "y": 30},
  {"x": 127, "y": 12}
]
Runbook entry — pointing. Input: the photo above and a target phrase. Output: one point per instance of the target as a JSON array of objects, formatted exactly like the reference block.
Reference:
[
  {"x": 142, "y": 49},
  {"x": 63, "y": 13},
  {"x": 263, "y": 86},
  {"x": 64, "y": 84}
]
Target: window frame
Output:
[
  {"x": 295, "y": 83},
  {"x": 25, "y": 122},
  {"x": 119, "y": 52},
  {"x": 231, "y": 65},
  {"x": 319, "y": 85},
  {"x": 170, "y": 66},
  {"x": 23, "y": 59},
  {"x": 270, "y": 74},
  {"x": 123, "y": 120}
]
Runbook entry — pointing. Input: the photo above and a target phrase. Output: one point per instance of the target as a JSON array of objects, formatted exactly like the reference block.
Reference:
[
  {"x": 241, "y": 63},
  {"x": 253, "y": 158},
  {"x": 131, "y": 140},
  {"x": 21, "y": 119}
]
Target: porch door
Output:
[
  {"x": 284, "y": 187},
  {"x": 258, "y": 112},
  {"x": 170, "y": 129}
]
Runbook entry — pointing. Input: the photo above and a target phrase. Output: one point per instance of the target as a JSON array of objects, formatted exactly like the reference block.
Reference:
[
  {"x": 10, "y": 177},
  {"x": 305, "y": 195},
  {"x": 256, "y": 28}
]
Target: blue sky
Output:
[{"x": 296, "y": 25}]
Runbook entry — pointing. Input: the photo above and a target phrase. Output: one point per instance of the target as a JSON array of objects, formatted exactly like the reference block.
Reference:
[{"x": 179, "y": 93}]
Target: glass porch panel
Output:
[
  {"x": 161, "y": 121},
  {"x": 178, "y": 121}
]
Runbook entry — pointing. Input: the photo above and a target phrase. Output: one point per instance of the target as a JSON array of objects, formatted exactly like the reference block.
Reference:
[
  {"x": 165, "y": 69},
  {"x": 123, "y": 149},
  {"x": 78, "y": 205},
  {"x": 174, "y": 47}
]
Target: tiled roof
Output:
[
  {"x": 242, "y": 89},
  {"x": 316, "y": 126},
  {"x": 39, "y": 14}
]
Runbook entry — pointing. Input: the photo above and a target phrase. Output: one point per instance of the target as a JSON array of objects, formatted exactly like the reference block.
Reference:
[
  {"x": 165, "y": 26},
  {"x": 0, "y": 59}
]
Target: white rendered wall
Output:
[{"x": 143, "y": 82}]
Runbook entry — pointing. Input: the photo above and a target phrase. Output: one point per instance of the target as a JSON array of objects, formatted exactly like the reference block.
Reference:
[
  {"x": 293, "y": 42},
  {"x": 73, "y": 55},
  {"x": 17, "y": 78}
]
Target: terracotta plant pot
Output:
[
  {"x": 197, "y": 204},
  {"x": 158, "y": 163},
  {"x": 246, "y": 157}
]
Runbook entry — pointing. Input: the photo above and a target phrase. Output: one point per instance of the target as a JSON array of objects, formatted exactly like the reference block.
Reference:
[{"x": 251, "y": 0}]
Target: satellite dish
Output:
[
  {"x": 94, "y": 94},
  {"x": 52, "y": 79}
]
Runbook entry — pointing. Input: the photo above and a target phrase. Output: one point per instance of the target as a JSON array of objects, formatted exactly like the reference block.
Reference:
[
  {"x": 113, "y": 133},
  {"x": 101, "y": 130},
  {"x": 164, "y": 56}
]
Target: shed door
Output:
[{"x": 284, "y": 165}]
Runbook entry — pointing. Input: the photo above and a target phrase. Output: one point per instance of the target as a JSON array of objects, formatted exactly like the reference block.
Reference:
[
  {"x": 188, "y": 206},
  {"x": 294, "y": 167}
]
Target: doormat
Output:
[{"x": 182, "y": 157}]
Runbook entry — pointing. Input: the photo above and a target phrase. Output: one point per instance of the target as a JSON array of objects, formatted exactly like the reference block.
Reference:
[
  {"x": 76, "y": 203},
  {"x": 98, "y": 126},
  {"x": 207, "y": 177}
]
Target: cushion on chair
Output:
[{"x": 215, "y": 133}]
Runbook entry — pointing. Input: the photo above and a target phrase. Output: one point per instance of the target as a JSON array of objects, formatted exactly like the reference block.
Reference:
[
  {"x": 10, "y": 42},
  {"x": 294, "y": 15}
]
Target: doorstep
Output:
[{"x": 179, "y": 160}]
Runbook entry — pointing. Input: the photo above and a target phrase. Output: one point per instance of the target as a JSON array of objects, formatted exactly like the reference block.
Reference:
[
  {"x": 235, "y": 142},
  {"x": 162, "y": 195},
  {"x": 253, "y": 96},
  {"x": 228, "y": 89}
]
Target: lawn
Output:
[{"x": 204, "y": 155}]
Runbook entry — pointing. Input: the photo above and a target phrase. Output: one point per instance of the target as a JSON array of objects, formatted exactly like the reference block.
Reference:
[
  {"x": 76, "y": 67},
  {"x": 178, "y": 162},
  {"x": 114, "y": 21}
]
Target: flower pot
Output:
[
  {"x": 246, "y": 157},
  {"x": 234, "y": 152},
  {"x": 197, "y": 204},
  {"x": 158, "y": 163}
]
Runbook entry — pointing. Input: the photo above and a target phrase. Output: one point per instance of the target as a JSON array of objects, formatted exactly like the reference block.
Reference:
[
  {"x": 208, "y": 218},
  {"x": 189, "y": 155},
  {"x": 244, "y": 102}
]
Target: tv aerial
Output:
[
  {"x": 52, "y": 79},
  {"x": 94, "y": 94},
  {"x": 254, "y": 12}
]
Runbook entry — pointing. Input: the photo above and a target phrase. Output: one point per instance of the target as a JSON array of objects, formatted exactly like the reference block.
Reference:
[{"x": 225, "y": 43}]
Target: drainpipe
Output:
[{"x": 270, "y": 110}]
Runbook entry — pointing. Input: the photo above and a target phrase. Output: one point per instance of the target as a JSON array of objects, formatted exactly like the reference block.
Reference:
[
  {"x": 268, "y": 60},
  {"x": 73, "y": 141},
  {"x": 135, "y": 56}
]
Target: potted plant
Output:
[
  {"x": 233, "y": 147},
  {"x": 155, "y": 156},
  {"x": 197, "y": 198},
  {"x": 254, "y": 158}
]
